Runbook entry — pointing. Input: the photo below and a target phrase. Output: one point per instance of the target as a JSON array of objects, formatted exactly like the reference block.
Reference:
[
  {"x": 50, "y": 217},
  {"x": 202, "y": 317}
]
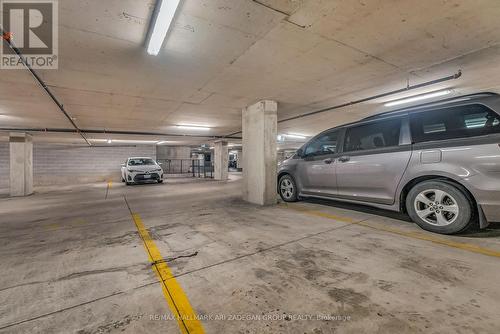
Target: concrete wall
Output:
[
  {"x": 173, "y": 152},
  {"x": 57, "y": 164}
]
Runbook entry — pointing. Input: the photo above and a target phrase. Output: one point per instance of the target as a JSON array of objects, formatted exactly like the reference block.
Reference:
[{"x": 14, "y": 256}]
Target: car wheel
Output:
[
  {"x": 287, "y": 188},
  {"x": 160, "y": 181},
  {"x": 440, "y": 207}
]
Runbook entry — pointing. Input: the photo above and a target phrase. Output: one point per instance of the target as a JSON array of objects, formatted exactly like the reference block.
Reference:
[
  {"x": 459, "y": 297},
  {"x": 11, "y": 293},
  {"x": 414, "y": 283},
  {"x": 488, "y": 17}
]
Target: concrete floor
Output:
[{"x": 72, "y": 262}]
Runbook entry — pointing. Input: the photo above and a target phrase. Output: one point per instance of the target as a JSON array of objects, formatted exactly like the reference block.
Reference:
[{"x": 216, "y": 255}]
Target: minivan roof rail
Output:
[{"x": 429, "y": 104}]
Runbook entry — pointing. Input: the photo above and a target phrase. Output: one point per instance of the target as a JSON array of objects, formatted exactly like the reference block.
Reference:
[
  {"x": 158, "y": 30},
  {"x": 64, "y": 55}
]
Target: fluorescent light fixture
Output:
[
  {"x": 418, "y": 98},
  {"x": 123, "y": 141},
  {"x": 162, "y": 142},
  {"x": 131, "y": 141},
  {"x": 296, "y": 136},
  {"x": 165, "y": 14},
  {"x": 192, "y": 127}
]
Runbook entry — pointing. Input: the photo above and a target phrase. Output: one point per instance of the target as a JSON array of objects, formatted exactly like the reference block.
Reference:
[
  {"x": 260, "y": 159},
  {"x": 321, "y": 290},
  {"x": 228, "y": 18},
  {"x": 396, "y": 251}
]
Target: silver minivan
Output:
[{"x": 438, "y": 162}]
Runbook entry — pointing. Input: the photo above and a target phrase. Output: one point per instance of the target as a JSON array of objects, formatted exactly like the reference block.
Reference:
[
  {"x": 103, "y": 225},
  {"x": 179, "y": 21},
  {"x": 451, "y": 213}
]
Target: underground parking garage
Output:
[{"x": 249, "y": 166}]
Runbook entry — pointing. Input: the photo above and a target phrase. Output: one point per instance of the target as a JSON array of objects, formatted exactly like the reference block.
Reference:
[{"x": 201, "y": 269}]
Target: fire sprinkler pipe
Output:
[
  {"x": 366, "y": 99},
  {"x": 374, "y": 97},
  {"x": 42, "y": 84},
  {"x": 116, "y": 132}
]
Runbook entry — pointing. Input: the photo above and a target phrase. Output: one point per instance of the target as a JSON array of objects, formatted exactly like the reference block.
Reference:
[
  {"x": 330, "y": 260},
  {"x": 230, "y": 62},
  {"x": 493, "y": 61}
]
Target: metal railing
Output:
[{"x": 188, "y": 167}]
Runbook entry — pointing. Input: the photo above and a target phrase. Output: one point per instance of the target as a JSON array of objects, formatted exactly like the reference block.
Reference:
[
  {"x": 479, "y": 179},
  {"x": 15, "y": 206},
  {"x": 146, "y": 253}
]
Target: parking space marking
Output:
[
  {"x": 427, "y": 236},
  {"x": 110, "y": 183},
  {"x": 176, "y": 298}
]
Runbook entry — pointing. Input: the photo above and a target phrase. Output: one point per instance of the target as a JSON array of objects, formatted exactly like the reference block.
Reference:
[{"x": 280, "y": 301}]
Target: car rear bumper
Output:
[
  {"x": 486, "y": 192},
  {"x": 491, "y": 212}
]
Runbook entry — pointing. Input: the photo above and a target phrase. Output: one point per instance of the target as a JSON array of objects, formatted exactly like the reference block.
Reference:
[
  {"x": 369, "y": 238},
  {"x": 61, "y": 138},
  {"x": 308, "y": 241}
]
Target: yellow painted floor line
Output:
[
  {"x": 427, "y": 236},
  {"x": 110, "y": 183},
  {"x": 176, "y": 298}
]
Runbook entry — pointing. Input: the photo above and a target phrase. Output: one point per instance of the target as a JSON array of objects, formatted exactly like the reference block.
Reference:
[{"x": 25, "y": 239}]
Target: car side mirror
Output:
[
  {"x": 160, "y": 163},
  {"x": 300, "y": 152}
]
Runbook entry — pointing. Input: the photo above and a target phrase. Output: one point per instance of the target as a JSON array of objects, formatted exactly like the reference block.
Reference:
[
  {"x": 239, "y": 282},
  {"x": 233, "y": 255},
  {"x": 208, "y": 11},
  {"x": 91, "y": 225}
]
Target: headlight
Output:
[{"x": 157, "y": 170}]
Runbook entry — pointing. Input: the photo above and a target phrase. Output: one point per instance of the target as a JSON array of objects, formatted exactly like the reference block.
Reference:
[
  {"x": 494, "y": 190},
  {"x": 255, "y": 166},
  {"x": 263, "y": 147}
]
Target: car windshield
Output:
[{"x": 140, "y": 162}]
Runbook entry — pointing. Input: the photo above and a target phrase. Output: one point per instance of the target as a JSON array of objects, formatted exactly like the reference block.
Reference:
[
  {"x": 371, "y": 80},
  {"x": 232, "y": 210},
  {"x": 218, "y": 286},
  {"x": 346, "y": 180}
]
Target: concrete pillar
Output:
[
  {"x": 221, "y": 157},
  {"x": 239, "y": 163},
  {"x": 260, "y": 128},
  {"x": 21, "y": 164}
]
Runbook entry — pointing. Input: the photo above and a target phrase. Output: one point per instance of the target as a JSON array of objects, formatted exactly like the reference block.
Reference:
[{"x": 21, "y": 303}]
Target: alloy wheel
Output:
[
  {"x": 287, "y": 188},
  {"x": 436, "y": 207}
]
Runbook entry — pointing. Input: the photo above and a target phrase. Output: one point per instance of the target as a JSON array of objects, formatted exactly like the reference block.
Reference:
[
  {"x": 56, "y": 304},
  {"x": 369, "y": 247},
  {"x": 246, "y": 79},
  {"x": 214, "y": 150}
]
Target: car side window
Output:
[
  {"x": 456, "y": 122},
  {"x": 326, "y": 143},
  {"x": 373, "y": 135}
]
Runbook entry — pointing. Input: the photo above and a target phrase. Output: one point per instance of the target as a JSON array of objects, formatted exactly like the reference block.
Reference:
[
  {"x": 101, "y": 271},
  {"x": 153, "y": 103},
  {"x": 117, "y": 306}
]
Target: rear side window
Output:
[
  {"x": 457, "y": 122},
  {"x": 374, "y": 135}
]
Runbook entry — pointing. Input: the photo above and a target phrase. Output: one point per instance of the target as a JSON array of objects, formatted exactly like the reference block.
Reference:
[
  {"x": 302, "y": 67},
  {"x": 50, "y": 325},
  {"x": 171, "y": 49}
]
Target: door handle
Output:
[
  {"x": 328, "y": 161},
  {"x": 344, "y": 158}
]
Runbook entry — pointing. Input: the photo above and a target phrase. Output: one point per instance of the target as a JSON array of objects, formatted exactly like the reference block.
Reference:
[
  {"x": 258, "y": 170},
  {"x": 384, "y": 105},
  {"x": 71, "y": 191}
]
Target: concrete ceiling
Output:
[{"x": 223, "y": 55}]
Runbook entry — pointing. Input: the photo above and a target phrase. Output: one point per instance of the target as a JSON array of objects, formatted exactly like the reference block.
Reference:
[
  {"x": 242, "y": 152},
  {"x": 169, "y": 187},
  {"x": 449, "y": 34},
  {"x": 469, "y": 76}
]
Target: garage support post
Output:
[
  {"x": 221, "y": 160},
  {"x": 260, "y": 129},
  {"x": 21, "y": 164}
]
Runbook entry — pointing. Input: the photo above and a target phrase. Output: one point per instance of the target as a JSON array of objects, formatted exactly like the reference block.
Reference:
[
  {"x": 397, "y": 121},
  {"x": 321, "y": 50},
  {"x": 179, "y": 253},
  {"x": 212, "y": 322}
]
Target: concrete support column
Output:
[
  {"x": 21, "y": 164},
  {"x": 239, "y": 163},
  {"x": 260, "y": 128},
  {"x": 221, "y": 156}
]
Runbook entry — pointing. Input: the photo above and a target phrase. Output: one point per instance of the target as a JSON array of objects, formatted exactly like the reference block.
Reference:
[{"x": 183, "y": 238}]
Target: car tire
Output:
[
  {"x": 160, "y": 181},
  {"x": 128, "y": 183},
  {"x": 440, "y": 207},
  {"x": 287, "y": 189}
]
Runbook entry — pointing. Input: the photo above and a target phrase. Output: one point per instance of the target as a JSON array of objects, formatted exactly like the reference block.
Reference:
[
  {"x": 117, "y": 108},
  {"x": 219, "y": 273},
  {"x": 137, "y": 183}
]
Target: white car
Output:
[{"x": 141, "y": 169}]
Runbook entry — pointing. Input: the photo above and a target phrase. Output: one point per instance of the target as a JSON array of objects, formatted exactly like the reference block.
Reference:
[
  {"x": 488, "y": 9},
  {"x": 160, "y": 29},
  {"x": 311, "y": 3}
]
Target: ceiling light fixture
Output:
[
  {"x": 192, "y": 127},
  {"x": 162, "y": 142},
  {"x": 418, "y": 98},
  {"x": 165, "y": 14},
  {"x": 295, "y": 136},
  {"x": 123, "y": 141}
]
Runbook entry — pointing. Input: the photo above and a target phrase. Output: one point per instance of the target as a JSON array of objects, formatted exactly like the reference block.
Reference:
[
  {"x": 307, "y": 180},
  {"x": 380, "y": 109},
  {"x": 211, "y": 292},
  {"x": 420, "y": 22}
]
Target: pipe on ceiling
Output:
[
  {"x": 366, "y": 99},
  {"x": 43, "y": 85},
  {"x": 116, "y": 132},
  {"x": 374, "y": 97}
]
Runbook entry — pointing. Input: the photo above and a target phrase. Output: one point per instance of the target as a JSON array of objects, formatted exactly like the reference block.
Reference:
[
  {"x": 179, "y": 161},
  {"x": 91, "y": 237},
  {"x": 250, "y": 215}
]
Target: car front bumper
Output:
[{"x": 144, "y": 177}]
